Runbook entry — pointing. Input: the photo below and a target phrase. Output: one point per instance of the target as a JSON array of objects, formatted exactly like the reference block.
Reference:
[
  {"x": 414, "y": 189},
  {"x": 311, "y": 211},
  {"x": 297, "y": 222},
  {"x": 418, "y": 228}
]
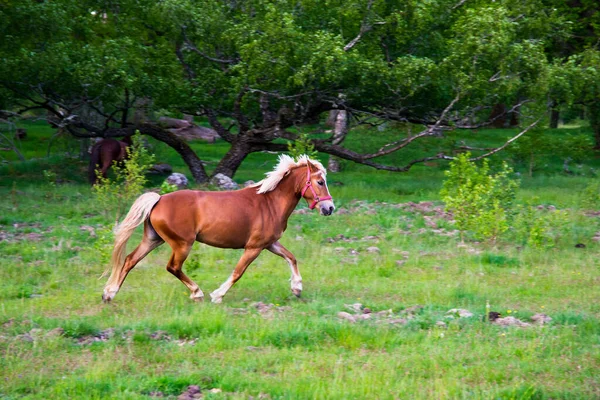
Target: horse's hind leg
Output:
[
  {"x": 150, "y": 241},
  {"x": 178, "y": 257},
  {"x": 277, "y": 248}
]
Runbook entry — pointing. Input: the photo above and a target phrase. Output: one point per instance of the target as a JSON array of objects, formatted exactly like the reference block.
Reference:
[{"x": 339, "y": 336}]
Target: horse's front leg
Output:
[
  {"x": 246, "y": 259},
  {"x": 277, "y": 248}
]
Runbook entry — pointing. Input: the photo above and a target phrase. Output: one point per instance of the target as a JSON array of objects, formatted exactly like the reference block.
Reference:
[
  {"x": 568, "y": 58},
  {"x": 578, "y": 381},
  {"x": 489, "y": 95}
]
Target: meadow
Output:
[{"x": 389, "y": 252}]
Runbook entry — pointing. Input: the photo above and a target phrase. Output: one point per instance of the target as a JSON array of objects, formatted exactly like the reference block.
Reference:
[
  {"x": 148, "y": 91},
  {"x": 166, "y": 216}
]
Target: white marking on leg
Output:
[
  {"x": 109, "y": 293},
  {"x": 217, "y": 295},
  {"x": 296, "y": 279}
]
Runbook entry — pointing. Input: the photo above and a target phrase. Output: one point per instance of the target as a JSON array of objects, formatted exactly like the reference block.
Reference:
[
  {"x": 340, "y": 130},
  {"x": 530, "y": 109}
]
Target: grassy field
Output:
[{"x": 58, "y": 341}]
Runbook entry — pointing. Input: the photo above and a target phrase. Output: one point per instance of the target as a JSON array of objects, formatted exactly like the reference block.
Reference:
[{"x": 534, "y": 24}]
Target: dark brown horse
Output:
[
  {"x": 253, "y": 218},
  {"x": 104, "y": 153}
]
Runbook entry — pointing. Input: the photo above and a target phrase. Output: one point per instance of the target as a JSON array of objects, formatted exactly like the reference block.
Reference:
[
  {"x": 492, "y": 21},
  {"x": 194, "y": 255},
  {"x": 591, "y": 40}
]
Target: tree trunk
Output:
[
  {"x": 181, "y": 147},
  {"x": 593, "y": 112},
  {"x": 340, "y": 124},
  {"x": 554, "y": 116},
  {"x": 233, "y": 159}
]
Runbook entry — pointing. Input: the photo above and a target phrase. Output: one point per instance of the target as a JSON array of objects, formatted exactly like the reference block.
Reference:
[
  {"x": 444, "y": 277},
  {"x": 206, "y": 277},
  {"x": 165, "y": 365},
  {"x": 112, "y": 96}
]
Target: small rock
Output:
[
  {"x": 413, "y": 309},
  {"x": 224, "y": 182},
  {"x": 362, "y": 316},
  {"x": 541, "y": 319},
  {"x": 400, "y": 263},
  {"x": 215, "y": 390},
  {"x": 373, "y": 249},
  {"x": 249, "y": 183},
  {"x": 510, "y": 321},
  {"x": 343, "y": 315},
  {"x": 356, "y": 307},
  {"x": 161, "y": 169},
  {"x": 160, "y": 335},
  {"x": 55, "y": 332},
  {"x": 371, "y": 237},
  {"x": 178, "y": 180},
  {"x": 89, "y": 229},
  {"x": 398, "y": 321},
  {"x": 193, "y": 389},
  {"x": 366, "y": 310},
  {"x": 462, "y": 313},
  {"x": 441, "y": 324}
]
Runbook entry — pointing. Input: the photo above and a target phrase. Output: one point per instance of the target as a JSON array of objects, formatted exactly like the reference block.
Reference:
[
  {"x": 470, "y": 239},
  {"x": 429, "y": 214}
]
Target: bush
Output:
[
  {"x": 480, "y": 200},
  {"x": 301, "y": 146},
  {"x": 539, "y": 227},
  {"x": 118, "y": 194}
]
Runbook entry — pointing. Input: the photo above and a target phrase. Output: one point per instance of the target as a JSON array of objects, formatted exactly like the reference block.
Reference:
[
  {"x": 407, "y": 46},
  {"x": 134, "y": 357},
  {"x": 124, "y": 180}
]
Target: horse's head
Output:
[{"x": 315, "y": 191}]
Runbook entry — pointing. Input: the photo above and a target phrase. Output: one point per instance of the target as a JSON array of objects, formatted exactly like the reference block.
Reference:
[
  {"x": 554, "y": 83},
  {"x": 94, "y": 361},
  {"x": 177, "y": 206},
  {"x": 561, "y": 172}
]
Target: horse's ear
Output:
[{"x": 310, "y": 165}]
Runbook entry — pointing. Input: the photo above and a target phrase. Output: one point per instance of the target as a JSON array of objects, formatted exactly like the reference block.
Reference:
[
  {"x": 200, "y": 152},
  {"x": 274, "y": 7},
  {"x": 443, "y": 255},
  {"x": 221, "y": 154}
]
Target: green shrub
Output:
[
  {"x": 167, "y": 187},
  {"x": 118, "y": 194},
  {"x": 480, "y": 200},
  {"x": 539, "y": 227},
  {"x": 301, "y": 146},
  {"x": 590, "y": 198}
]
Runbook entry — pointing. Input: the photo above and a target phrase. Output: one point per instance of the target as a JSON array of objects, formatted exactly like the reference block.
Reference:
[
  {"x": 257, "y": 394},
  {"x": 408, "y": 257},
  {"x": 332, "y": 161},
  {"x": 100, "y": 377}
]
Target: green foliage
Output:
[
  {"x": 159, "y": 333},
  {"x": 167, "y": 187},
  {"x": 539, "y": 227},
  {"x": 50, "y": 177},
  {"x": 590, "y": 198},
  {"x": 302, "y": 145},
  {"x": 480, "y": 200},
  {"x": 114, "y": 196}
]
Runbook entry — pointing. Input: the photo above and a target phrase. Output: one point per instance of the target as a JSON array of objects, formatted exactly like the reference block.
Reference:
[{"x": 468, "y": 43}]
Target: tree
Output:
[{"x": 270, "y": 68}]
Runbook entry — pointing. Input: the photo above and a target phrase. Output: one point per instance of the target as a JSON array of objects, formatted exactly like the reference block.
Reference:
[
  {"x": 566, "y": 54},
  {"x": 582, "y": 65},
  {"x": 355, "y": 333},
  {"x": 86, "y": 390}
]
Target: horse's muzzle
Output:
[{"x": 326, "y": 207}]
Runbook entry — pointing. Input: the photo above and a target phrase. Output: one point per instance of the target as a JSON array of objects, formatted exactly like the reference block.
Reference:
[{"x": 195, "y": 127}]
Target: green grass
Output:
[{"x": 152, "y": 338}]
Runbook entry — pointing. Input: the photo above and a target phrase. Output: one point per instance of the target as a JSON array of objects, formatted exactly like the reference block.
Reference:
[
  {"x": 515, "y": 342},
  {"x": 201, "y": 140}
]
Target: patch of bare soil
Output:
[
  {"x": 358, "y": 312},
  {"x": 18, "y": 234}
]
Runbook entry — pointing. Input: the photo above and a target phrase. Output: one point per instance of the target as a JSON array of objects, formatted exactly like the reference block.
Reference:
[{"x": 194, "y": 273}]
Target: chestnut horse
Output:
[
  {"x": 252, "y": 219},
  {"x": 104, "y": 153}
]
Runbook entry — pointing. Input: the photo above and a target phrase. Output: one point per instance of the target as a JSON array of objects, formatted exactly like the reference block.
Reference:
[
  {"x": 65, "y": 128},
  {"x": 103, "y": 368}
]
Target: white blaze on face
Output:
[{"x": 326, "y": 206}]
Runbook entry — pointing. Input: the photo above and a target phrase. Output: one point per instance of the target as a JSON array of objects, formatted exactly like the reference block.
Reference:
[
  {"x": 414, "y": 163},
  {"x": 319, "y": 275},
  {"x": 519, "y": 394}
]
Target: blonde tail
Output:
[{"x": 139, "y": 212}]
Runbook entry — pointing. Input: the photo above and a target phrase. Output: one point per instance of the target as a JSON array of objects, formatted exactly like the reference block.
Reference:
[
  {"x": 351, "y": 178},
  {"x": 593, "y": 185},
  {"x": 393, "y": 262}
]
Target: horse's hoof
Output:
[
  {"x": 106, "y": 299},
  {"x": 216, "y": 299},
  {"x": 297, "y": 292},
  {"x": 198, "y": 299}
]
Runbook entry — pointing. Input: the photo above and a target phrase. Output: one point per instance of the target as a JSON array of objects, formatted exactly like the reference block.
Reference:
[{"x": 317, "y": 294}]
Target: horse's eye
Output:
[{"x": 321, "y": 183}]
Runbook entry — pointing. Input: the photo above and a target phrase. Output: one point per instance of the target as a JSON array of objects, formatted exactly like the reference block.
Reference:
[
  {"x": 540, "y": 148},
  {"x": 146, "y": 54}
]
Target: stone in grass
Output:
[
  {"x": 224, "y": 182},
  {"x": 192, "y": 392},
  {"x": 356, "y": 307},
  {"x": 373, "y": 249},
  {"x": 347, "y": 316},
  {"x": 510, "y": 321},
  {"x": 462, "y": 313},
  {"x": 177, "y": 179},
  {"x": 541, "y": 319}
]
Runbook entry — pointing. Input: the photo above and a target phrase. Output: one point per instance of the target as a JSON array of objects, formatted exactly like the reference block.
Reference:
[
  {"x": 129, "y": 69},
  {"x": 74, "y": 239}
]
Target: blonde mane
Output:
[{"x": 285, "y": 165}]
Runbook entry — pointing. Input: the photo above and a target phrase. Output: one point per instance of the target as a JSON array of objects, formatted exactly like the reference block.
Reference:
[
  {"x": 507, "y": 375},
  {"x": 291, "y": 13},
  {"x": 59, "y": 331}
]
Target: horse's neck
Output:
[{"x": 285, "y": 197}]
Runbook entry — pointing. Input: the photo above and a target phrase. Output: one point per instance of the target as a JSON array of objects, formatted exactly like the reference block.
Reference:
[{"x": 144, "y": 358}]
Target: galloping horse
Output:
[
  {"x": 253, "y": 218},
  {"x": 104, "y": 153}
]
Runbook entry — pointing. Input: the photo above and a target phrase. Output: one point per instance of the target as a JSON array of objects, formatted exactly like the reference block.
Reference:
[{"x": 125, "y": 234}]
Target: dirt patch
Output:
[
  {"x": 18, "y": 234},
  {"x": 358, "y": 312},
  {"x": 103, "y": 336}
]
